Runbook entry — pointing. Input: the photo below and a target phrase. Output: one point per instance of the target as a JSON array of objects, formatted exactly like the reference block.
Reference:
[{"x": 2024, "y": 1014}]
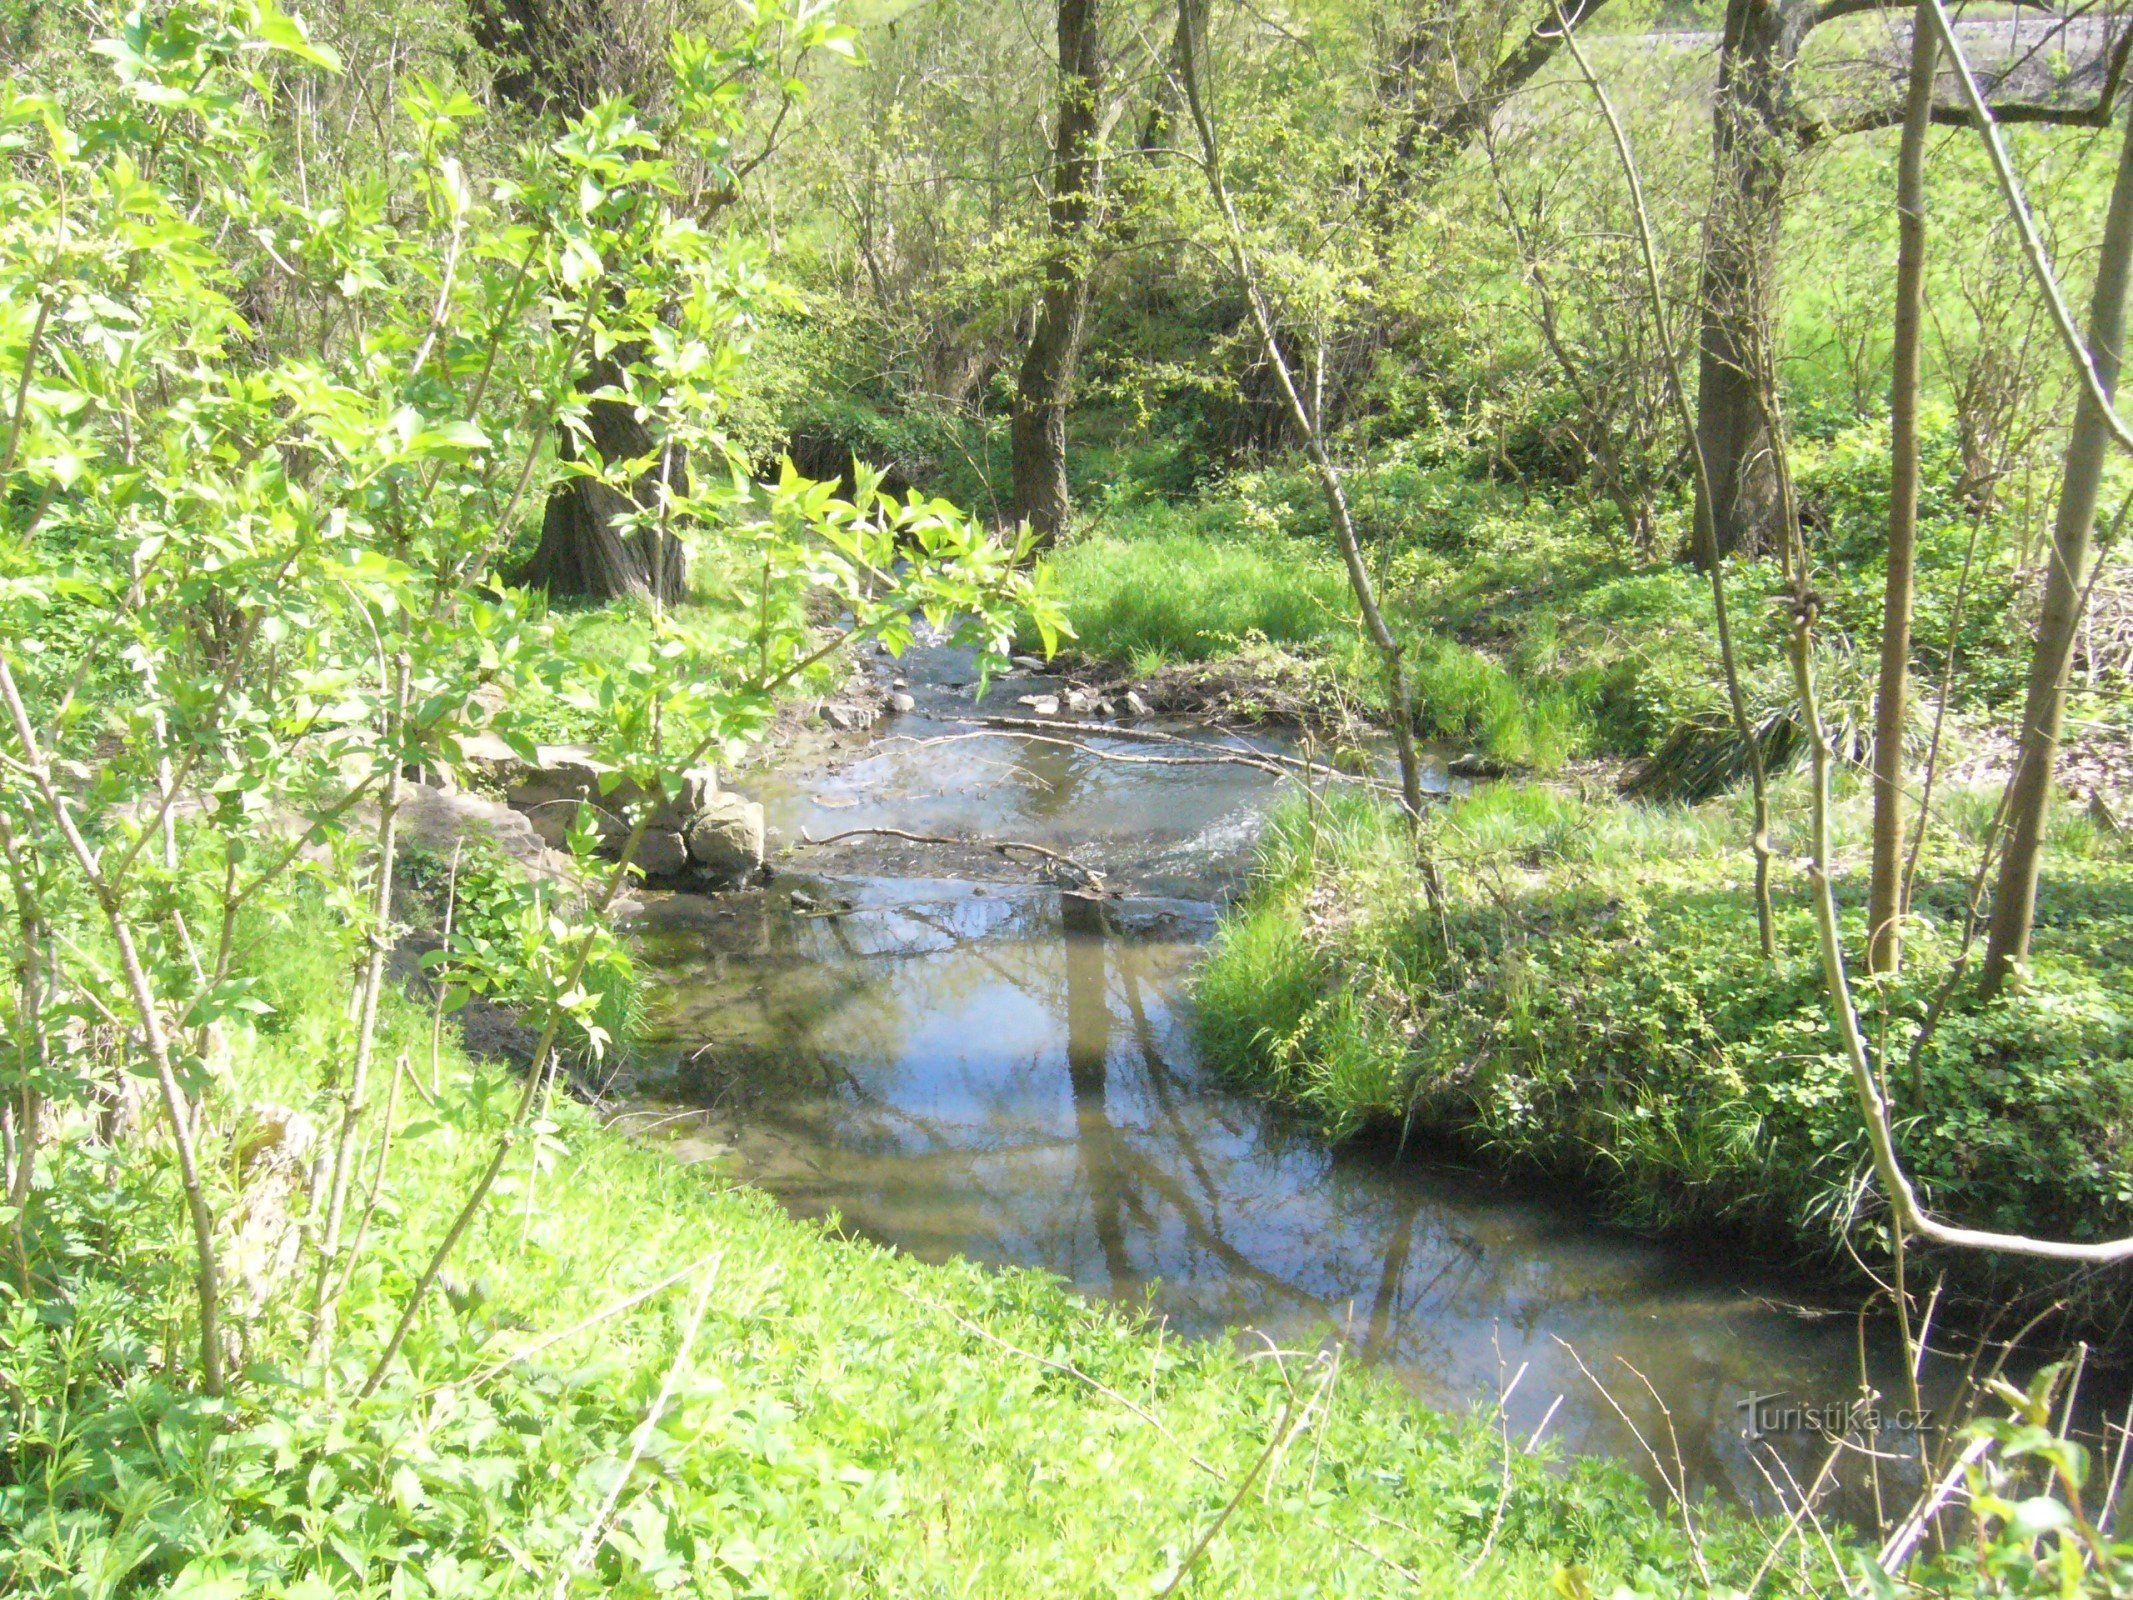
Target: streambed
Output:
[{"x": 955, "y": 1055}]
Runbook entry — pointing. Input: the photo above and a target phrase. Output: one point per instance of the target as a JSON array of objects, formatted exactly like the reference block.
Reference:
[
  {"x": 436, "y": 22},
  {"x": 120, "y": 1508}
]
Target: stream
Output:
[{"x": 953, "y": 1057}]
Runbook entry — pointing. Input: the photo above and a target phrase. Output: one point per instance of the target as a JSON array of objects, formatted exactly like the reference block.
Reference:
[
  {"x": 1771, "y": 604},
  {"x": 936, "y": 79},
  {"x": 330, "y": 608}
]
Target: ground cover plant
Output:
[
  {"x": 1587, "y": 1002},
  {"x": 640, "y": 1378}
]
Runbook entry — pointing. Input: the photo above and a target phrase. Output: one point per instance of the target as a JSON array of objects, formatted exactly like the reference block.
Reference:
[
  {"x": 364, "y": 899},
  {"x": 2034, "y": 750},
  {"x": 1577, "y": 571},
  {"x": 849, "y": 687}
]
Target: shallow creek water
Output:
[{"x": 953, "y": 1057}]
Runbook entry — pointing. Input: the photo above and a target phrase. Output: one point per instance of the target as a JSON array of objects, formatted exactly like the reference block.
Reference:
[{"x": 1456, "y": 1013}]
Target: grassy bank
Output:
[
  {"x": 1538, "y": 635},
  {"x": 1591, "y": 1005},
  {"x": 784, "y": 1412}
]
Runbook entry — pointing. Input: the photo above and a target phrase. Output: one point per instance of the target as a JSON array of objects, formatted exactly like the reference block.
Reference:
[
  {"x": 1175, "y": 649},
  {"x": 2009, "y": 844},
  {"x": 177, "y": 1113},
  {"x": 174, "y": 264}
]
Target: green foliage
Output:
[
  {"x": 1538, "y": 637},
  {"x": 1153, "y": 590},
  {"x": 267, "y": 449},
  {"x": 1591, "y": 1004}
]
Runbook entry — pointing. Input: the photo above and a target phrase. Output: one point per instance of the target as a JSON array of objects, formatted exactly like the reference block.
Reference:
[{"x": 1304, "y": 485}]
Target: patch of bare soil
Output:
[{"x": 2095, "y": 767}]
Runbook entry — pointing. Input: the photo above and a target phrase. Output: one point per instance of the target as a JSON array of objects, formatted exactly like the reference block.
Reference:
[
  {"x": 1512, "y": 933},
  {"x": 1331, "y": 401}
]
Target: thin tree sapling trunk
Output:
[
  {"x": 1729, "y": 661},
  {"x": 1390, "y": 651},
  {"x": 2014, "y": 901},
  {"x": 1885, "y": 909}
]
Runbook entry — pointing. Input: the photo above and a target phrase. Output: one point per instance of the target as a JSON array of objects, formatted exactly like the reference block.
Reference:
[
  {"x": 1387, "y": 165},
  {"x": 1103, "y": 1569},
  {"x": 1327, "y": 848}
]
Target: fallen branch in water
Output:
[
  {"x": 1092, "y": 880},
  {"x": 1269, "y": 760}
]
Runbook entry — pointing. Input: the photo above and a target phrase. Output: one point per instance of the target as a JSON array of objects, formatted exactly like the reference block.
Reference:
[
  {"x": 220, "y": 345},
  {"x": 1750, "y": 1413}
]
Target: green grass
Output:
[
  {"x": 1535, "y": 635},
  {"x": 845, "y": 1421},
  {"x": 1150, "y": 591},
  {"x": 1591, "y": 1005}
]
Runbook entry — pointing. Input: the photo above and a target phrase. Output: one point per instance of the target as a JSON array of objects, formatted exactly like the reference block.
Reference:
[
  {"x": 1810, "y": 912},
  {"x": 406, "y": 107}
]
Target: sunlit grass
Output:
[{"x": 1174, "y": 595}]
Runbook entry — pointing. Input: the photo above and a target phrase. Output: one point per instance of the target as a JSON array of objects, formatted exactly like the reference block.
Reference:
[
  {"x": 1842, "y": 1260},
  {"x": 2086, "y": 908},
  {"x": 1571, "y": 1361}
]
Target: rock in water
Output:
[
  {"x": 440, "y": 822},
  {"x": 549, "y": 792},
  {"x": 1044, "y": 705},
  {"x": 725, "y": 839},
  {"x": 1135, "y": 705},
  {"x": 698, "y": 786},
  {"x": 903, "y": 702}
]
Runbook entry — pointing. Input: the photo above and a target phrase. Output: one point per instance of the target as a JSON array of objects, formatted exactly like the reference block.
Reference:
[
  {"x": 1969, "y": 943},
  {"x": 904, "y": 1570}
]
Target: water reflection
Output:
[
  {"x": 1007, "y": 1076},
  {"x": 994, "y": 1069}
]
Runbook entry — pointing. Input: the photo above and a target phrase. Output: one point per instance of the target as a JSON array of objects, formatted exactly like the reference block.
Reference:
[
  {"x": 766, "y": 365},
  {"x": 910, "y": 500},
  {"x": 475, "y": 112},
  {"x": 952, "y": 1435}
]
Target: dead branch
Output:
[{"x": 1092, "y": 880}]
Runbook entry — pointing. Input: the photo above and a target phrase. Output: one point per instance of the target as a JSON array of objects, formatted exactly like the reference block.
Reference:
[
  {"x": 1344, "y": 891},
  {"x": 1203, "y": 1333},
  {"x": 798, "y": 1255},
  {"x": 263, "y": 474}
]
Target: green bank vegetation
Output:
[{"x": 1588, "y": 1003}]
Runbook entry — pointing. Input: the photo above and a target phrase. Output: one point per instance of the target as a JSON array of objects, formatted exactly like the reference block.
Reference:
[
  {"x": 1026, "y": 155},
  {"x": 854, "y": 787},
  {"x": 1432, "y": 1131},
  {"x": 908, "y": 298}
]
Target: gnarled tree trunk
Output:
[
  {"x": 1037, "y": 433},
  {"x": 554, "y": 58},
  {"x": 588, "y": 550}
]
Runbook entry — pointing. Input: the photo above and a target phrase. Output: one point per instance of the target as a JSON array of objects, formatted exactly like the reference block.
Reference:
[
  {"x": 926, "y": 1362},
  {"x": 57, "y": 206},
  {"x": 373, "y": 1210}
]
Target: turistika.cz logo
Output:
[{"x": 1765, "y": 1414}]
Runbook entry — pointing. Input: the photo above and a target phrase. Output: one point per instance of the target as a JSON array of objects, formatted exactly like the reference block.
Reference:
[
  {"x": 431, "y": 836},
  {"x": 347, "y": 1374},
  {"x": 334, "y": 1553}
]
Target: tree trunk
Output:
[
  {"x": 1188, "y": 40},
  {"x": 1884, "y": 949},
  {"x": 587, "y": 550},
  {"x": 2014, "y": 900},
  {"x": 1751, "y": 138},
  {"x": 1037, "y": 434},
  {"x": 554, "y": 58}
]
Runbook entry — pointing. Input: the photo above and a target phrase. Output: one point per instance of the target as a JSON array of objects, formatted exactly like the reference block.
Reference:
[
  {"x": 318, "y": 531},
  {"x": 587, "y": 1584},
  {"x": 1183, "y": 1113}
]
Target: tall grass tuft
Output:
[{"x": 1142, "y": 594}]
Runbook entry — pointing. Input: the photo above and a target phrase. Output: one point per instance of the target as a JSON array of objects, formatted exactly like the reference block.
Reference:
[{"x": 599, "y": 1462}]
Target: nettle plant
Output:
[{"x": 265, "y": 446}]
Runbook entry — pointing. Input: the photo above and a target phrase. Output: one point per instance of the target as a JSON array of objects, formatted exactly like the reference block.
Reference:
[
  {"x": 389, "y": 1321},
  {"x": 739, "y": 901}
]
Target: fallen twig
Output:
[
  {"x": 613, "y": 1308},
  {"x": 1405, "y": 1574},
  {"x": 1281, "y": 1429},
  {"x": 1093, "y": 879},
  {"x": 1040, "y": 730},
  {"x": 596, "y": 1531}
]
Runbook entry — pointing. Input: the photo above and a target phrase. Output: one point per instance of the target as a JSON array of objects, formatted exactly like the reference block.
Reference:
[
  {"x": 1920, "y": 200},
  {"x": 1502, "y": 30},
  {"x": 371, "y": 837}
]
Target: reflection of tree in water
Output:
[
  {"x": 1088, "y": 1054},
  {"x": 857, "y": 1025},
  {"x": 1051, "y": 777}
]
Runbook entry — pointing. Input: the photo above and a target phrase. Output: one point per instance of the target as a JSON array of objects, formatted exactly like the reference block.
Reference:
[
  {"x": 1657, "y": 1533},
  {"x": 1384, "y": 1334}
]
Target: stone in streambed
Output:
[
  {"x": 662, "y": 854},
  {"x": 725, "y": 839}
]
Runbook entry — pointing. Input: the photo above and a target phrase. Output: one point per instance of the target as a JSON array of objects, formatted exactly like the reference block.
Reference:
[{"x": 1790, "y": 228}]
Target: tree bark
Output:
[
  {"x": 1752, "y": 136},
  {"x": 1885, "y": 909},
  {"x": 555, "y": 58},
  {"x": 587, "y": 549},
  {"x": 1037, "y": 431},
  {"x": 2014, "y": 900},
  {"x": 1427, "y": 127}
]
